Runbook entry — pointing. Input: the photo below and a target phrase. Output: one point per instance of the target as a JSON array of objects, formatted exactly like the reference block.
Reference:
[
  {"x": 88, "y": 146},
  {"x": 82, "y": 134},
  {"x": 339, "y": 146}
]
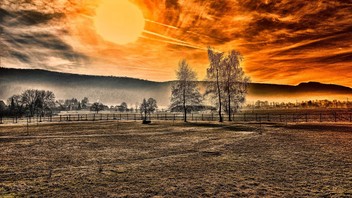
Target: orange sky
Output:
[{"x": 284, "y": 42}]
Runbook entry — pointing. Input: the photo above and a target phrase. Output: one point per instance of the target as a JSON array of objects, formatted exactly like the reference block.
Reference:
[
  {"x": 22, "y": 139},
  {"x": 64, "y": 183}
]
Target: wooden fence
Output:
[{"x": 240, "y": 117}]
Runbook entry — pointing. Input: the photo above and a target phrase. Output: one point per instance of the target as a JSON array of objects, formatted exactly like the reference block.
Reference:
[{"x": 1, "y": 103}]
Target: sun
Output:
[{"x": 119, "y": 21}]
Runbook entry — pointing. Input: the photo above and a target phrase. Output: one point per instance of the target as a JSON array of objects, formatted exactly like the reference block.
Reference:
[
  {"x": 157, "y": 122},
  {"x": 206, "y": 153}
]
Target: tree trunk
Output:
[
  {"x": 184, "y": 105},
  {"x": 219, "y": 93},
  {"x": 145, "y": 114},
  {"x": 229, "y": 103}
]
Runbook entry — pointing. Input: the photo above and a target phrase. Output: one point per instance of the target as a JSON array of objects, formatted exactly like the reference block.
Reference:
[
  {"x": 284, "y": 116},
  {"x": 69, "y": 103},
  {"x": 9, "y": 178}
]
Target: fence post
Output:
[
  {"x": 165, "y": 116},
  {"x": 306, "y": 117},
  {"x": 127, "y": 116},
  {"x": 27, "y": 126},
  {"x": 78, "y": 117},
  {"x": 260, "y": 122},
  {"x": 107, "y": 116},
  {"x": 286, "y": 119},
  {"x": 256, "y": 117},
  {"x": 16, "y": 118},
  {"x": 0, "y": 119},
  {"x": 93, "y": 117}
]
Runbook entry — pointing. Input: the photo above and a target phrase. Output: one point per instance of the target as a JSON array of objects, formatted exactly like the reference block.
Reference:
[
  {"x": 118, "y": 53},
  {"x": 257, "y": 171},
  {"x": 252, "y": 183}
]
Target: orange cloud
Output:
[{"x": 283, "y": 42}]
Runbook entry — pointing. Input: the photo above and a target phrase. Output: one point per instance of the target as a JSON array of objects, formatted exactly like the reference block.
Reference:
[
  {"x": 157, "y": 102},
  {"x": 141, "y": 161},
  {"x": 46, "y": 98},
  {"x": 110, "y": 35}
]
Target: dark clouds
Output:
[{"x": 30, "y": 40}]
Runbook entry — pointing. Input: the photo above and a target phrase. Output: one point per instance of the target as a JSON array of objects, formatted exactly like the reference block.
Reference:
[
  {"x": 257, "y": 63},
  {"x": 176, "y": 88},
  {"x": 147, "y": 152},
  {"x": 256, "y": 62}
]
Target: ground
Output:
[{"x": 166, "y": 159}]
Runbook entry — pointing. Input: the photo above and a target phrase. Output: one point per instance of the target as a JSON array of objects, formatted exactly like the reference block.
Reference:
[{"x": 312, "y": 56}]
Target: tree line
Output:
[
  {"x": 302, "y": 104},
  {"x": 42, "y": 103},
  {"x": 31, "y": 102}
]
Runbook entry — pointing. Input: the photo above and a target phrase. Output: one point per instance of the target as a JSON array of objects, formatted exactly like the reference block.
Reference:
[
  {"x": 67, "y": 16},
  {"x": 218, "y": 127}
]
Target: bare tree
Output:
[
  {"x": 15, "y": 105},
  {"x": 37, "y": 101},
  {"x": 84, "y": 102},
  {"x": 46, "y": 100},
  {"x": 152, "y": 105},
  {"x": 28, "y": 98},
  {"x": 227, "y": 81},
  {"x": 2, "y": 108},
  {"x": 97, "y": 106},
  {"x": 147, "y": 107},
  {"x": 235, "y": 82},
  {"x": 123, "y": 107},
  {"x": 143, "y": 108},
  {"x": 214, "y": 85},
  {"x": 184, "y": 92}
]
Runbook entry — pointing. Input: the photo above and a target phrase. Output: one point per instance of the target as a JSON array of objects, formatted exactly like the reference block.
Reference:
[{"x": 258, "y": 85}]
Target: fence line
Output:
[{"x": 240, "y": 117}]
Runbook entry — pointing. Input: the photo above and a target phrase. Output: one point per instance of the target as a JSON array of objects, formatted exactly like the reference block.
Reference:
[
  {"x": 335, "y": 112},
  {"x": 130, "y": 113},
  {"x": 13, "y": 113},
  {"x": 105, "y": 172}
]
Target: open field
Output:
[{"x": 167, "y": 159}]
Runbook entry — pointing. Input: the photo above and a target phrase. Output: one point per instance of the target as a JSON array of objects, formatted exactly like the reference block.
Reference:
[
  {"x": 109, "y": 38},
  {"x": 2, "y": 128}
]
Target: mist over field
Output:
[{"x": 114, "y": 90}]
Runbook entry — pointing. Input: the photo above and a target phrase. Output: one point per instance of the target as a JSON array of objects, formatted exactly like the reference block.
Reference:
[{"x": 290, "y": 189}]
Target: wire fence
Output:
[{"x": 240, "y": 117}]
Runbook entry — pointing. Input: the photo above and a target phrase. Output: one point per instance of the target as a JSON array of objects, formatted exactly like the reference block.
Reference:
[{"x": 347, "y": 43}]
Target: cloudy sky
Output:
[{"x": 284, "y": 42}]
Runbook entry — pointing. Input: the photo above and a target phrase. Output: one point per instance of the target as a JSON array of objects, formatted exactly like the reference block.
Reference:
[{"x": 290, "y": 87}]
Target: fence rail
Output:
[{"x": 240, "y": 117}]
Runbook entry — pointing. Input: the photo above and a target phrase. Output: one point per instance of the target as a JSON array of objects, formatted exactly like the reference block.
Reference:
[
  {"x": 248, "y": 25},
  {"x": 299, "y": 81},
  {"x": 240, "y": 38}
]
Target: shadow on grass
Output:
[
  {"x": 322, "y": 127},
  {"x": 227, "y": 126}
]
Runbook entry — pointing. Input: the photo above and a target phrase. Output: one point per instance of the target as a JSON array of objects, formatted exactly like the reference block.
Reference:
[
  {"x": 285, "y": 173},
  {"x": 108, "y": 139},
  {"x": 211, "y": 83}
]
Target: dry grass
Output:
[{"x": 128, "y": 159}]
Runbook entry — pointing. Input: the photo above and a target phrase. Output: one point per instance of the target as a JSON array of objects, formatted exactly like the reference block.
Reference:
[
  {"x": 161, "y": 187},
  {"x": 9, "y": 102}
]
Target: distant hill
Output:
[{"x": 114, "y": 90}]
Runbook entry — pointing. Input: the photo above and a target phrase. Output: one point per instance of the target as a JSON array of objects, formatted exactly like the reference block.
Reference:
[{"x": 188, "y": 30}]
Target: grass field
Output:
[{"x": 166, "y": 159}]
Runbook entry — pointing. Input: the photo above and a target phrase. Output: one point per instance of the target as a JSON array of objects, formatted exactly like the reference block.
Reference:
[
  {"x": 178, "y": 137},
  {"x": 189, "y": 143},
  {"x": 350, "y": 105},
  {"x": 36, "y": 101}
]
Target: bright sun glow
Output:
[{"x": 119, "y": 21}]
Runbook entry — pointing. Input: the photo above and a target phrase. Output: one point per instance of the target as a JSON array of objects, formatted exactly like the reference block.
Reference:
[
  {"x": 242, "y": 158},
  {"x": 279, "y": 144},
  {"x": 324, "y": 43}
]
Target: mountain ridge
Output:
[{"x": 113, "y": 89}]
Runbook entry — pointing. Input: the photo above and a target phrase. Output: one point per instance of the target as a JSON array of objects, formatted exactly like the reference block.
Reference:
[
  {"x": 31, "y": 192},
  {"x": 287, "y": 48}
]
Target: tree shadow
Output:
[
  {"x": 225, "y": 126},
  {"x": 322, "y": 127}
]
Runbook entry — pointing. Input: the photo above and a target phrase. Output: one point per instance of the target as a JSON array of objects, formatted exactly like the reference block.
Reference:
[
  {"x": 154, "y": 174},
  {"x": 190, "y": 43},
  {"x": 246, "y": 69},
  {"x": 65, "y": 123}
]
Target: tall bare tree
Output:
[
  {"x": 235, "y": 82},
  {"x": 184, "y": 92},
  {"x": 227, "y": 81},
  {"x": 214, "y": 76}
]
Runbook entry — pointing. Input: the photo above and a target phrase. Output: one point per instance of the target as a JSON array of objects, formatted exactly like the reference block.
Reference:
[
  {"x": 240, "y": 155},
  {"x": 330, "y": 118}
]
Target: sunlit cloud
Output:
[{"x": 282, "y": 42}]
